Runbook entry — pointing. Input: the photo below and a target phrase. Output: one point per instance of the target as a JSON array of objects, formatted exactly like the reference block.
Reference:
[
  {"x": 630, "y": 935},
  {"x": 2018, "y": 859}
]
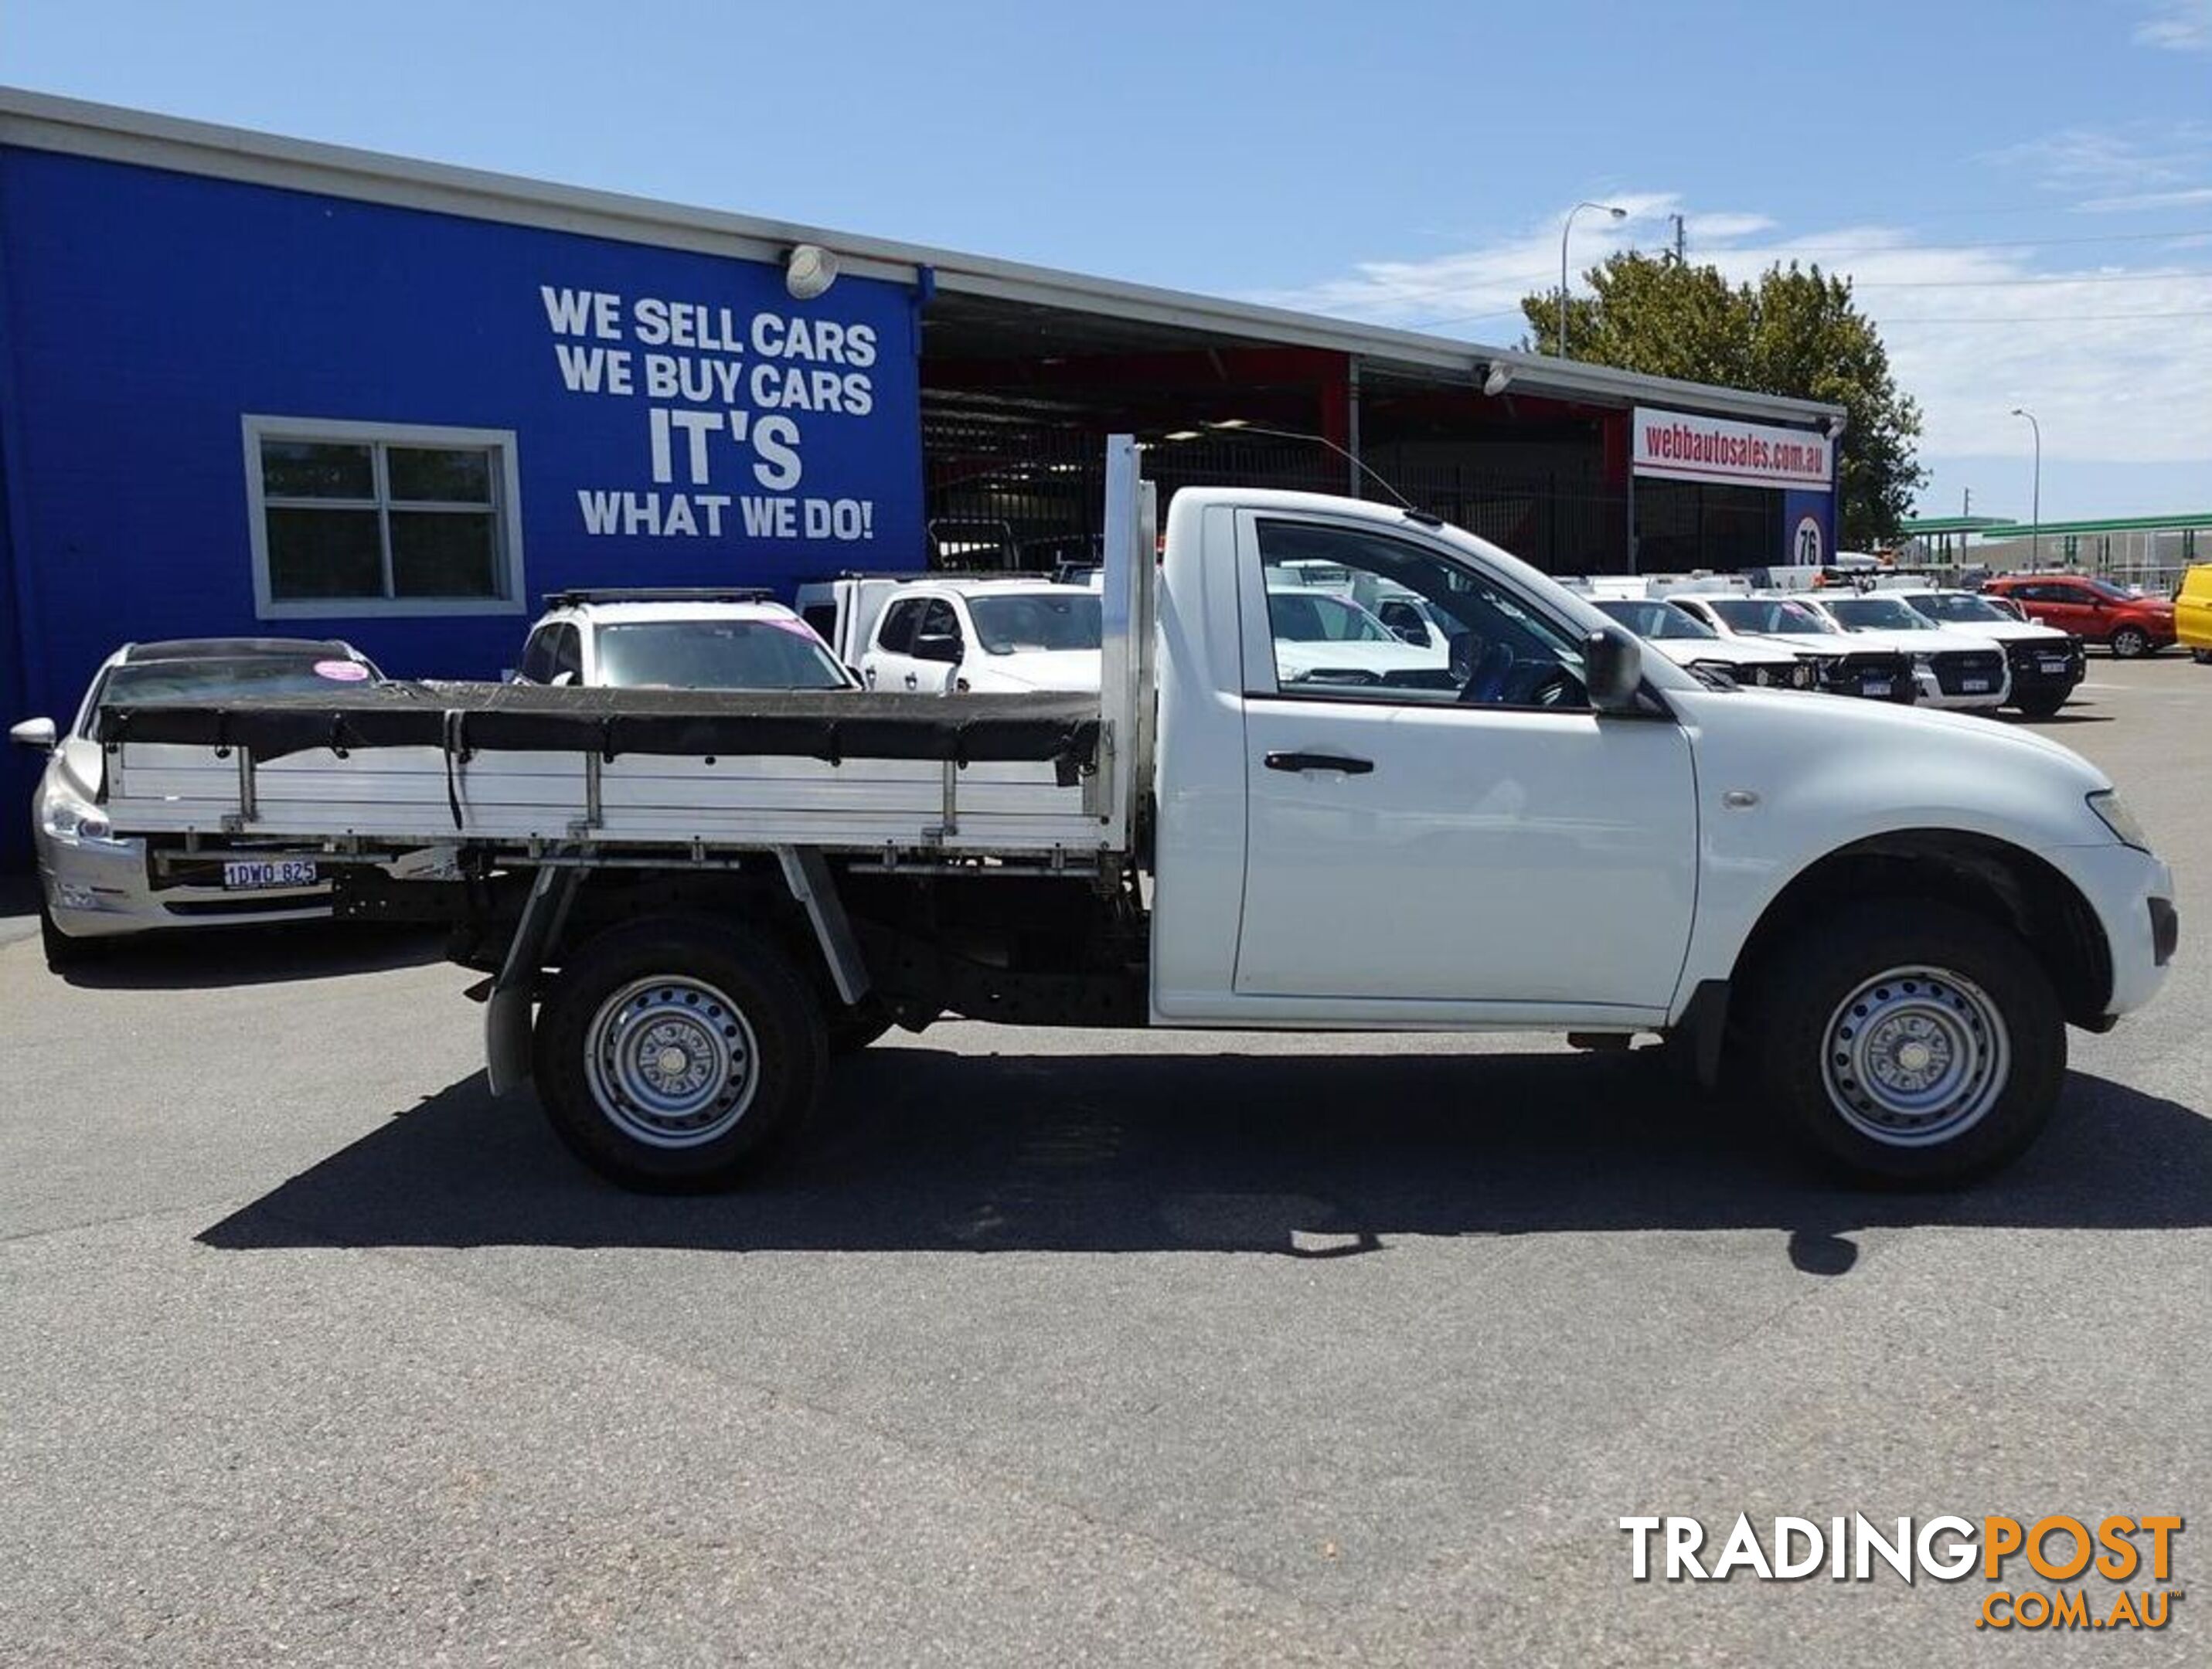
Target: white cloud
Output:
[
  {"x": 2139, "y": 165},
  {"x": 2178, "y": 26},
  {"x": 1967, "y": 338}
]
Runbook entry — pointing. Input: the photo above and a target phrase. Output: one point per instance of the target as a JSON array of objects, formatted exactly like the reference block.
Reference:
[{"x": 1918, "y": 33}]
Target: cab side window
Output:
[
  {"x": 567, "y": 654},
  {"x": 895, "y": 635},
  {"x": 940, "y": 628},
  {"x": 1361, "y": 616},
  {"x": 538, "y": 657}
]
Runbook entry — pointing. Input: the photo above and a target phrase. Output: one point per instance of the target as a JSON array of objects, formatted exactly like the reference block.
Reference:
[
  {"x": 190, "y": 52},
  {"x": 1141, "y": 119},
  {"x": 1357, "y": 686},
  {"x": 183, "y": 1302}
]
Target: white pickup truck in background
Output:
[
  {"x": 958, "y": 635},
  {"x": 1875, "y": 921}
]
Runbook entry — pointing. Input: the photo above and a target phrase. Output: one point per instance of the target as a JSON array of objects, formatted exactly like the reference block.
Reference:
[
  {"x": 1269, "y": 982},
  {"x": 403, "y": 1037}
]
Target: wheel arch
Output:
[{"x": 2003, "y": 884}]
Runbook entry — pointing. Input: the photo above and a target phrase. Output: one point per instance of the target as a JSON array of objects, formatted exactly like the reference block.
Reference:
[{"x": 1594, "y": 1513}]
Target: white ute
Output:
[
  {"x": 962, "y": 636},
  {"x": 1878, "y": 920}
]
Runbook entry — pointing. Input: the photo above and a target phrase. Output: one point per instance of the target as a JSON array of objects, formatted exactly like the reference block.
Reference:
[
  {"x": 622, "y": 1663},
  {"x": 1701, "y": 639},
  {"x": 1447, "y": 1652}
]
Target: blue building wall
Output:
[{"x": 147, "y": 312}]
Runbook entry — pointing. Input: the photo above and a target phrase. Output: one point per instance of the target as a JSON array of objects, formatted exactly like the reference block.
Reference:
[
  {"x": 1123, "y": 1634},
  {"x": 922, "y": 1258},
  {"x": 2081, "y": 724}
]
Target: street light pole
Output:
[
  {"x": 1564, "y": 232},
  {"x": 2035, "y": 492}
]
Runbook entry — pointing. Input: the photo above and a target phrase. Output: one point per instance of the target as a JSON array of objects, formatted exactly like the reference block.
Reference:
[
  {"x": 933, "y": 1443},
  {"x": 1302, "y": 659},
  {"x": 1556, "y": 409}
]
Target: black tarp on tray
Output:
[{"x": 464, "y": 718}]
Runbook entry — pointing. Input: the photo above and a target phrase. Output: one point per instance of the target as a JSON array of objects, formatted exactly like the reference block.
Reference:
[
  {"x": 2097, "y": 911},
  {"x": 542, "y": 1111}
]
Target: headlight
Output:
[
  {"x": 2117, "y": 818},
  {"x": 68, "y": 818}
]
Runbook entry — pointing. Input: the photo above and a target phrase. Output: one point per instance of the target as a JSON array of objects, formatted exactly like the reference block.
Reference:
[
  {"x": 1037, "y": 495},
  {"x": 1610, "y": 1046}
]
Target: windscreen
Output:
[
  {"x": 1767, "y": 614},
  {"x": 1885, "y": 614},
  {"x": 1962, "y": 609},
  {"x": 1035, "y": 620},
  {"x": 226, "y": 678},
  {"x": 716, "y": 654},
  {"x": 1655, "y": 620}
]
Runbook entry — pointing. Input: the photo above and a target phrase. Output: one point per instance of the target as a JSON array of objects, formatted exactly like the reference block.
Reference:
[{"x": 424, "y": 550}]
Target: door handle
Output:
[
  {"x": 869, "y": 677},
  {"x": 1318, "y": 761},
  {"x": 913, "y": 681}
]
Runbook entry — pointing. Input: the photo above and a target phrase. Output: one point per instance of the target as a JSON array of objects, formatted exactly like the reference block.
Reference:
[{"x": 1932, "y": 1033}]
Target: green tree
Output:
[{"x": 1796, "y": 331}]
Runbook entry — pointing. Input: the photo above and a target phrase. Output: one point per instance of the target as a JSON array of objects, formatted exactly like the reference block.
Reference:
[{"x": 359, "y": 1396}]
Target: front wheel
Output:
[
  {"x": 674, "y": 1057},
  {"x": 1912, "y": 1046},
  {"x": 2131, "y": 643},
  {"x": 2041, "y": 706},
  {"x": 2201, "y": 656}
]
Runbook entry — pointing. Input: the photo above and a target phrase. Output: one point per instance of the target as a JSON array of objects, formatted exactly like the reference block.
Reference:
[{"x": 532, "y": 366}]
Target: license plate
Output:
[
  {"x": 252, "y": 874},
  {"x": 1876, "y": 685},
  {"x": 2052, "y": 666},
  {"x": 1974, "y": 686}
]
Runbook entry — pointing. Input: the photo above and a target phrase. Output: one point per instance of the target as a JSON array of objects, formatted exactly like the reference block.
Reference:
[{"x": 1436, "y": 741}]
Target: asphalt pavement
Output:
[{"x": 1054, "y": 1348}]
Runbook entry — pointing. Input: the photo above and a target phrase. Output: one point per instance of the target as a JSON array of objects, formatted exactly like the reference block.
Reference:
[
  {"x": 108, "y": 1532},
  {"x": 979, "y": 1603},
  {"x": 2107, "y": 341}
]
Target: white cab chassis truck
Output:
[{"x": 1875, "y": 923}]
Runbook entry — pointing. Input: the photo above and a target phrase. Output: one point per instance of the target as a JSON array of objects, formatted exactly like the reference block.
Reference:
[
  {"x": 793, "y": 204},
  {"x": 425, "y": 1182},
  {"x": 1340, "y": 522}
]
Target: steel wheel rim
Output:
[
  {"x": 1915, "y": 1056},
  {"x": 672, "y": 1062}
]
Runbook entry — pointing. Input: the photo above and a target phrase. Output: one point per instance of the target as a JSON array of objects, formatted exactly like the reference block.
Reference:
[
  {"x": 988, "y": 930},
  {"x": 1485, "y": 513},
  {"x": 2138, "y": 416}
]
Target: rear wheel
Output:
[
  {"x": 2130, "y": 642},
  {"x": 671, "y": 1057},
  {"x": 2201, "y": 656},
  {"x": 1913, "y": 1045}
]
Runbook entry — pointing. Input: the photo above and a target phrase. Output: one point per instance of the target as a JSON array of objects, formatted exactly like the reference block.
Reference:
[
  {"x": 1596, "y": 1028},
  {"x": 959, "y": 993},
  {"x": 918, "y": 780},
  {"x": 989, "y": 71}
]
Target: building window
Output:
[{"x": 354, "y": 518}]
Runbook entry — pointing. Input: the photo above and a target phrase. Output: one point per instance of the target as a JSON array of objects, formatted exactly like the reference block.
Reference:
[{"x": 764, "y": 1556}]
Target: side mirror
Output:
[
  {"x": 1413, "y": 633},
  {"x": 938, "y": 647},
  {"x": 37, "y": 733},
  {"x": 1613, "y": 670}
]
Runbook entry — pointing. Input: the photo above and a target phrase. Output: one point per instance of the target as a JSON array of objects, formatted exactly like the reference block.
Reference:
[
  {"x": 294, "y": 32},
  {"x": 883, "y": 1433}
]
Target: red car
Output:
[{"x": 2093, "y": 609}]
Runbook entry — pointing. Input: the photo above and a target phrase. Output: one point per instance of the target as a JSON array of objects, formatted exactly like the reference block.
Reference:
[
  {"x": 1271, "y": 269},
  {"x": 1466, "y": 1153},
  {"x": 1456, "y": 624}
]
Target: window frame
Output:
[
  {"x": 1258, "y": 633},
  {"x": 506, "y": 512}
]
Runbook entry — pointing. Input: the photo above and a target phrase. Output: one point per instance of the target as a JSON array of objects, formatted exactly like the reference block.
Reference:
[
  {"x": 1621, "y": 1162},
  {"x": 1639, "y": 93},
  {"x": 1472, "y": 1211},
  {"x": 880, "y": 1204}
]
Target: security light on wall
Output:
[
  {"x": 808, "y": 271},
  {"x": 1499, "y": 376}
]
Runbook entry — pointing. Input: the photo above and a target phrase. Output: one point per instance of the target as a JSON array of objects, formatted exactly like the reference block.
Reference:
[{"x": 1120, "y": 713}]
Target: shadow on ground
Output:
[
  {"x": 201, "y": 958},
  {"x": 1311, "y": 1154}
]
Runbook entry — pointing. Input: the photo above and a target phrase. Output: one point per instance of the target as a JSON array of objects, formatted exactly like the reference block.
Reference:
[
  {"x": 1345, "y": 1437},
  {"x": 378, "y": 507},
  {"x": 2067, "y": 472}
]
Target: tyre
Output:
[
  {"x": 1910, "y": 1045},
  {"x": 2131, "y": 643},
  {"x": 2201, "y": 656},
  {"x": 852, "y": 1029},
  {"x": 2042, "y": 706},
  {"x": 673, "y": 1057}
]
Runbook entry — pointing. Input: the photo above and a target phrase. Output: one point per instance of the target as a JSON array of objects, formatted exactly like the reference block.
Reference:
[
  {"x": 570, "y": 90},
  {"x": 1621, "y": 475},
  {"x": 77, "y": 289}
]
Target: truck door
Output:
[
  {"x": 1453, "y": 827},
  {"x": 889, "y": 662}
]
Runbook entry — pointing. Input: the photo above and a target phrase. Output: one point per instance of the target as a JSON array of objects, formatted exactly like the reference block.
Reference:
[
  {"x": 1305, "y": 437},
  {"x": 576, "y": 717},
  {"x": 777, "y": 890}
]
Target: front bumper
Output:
[{"x": 103, "y": 889}]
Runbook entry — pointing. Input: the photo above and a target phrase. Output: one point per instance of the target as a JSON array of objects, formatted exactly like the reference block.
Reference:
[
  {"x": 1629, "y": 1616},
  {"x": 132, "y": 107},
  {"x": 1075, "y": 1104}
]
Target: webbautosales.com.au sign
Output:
[{"x": 1679, "y": 446}]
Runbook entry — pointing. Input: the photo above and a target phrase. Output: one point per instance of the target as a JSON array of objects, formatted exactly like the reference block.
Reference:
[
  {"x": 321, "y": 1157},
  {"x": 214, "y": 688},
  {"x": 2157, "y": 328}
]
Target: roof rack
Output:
[{"x": 569, "y": 599}]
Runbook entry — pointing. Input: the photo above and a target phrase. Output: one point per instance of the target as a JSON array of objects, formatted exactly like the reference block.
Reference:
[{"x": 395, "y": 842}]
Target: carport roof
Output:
[{"x": 43, "y": 122}]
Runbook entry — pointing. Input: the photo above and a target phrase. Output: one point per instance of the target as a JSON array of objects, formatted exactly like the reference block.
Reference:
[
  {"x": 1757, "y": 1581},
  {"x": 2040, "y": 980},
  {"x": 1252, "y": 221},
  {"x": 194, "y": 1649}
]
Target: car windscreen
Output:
[
  {"x": 1300, "y": 616},
  {"x": 1968, "y": 610},
  {"x": 1655, "y": 620},
  {"x": 1034, "y": 621},
  {"x": 1884, "y": 613},
  {"x": 225, "y": 678},
  {"x": 1767, "y": 614},
  {"x": 715, "y": 654}
]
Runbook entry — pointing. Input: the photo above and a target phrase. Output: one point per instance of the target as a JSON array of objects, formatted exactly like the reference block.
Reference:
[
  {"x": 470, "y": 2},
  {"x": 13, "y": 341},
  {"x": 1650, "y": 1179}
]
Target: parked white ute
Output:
[
  {"x": 1688, "y": 641},
  {"x": 2046, "y": 663},
  {"x": 675, "y": 638},
  {"x": 1878, "y": 921},
  {"x": 1849, "y": 665},
  {"x": 953, "y": 636},
  {"x": 1960, "y": 670}
]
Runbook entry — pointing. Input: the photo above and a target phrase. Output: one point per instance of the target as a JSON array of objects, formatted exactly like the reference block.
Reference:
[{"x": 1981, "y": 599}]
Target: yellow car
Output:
[{"x": 2192, "y": 612}]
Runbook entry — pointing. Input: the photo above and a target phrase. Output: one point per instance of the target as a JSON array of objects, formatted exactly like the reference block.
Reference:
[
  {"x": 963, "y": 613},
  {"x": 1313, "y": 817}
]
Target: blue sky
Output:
[{"x": 2023, "y": 192}]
